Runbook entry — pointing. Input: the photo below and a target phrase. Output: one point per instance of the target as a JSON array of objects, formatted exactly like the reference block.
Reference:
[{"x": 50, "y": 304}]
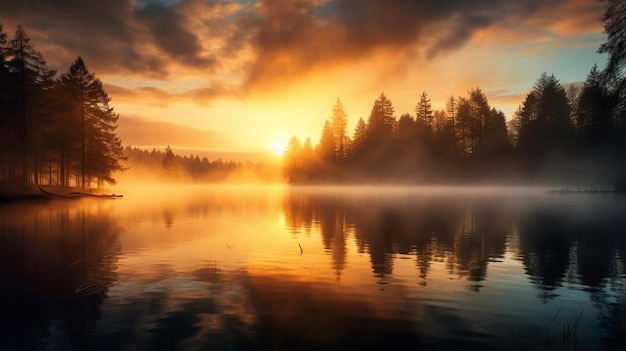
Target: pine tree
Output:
[
  {"x": 170, "y": 164},
  {"x": 451, "y": 109},
  {"x": 615, "y": 46},
  {"x": 463, "y": 121},
  {"x": 327, "y": 145},
  {"x": 479, "y": 112},
  {"x": 424, "y": 112},
  {"x": 543, "y": 121},
  {"x": 29, "y": 79},
  {"x": 358, "y": 139},
  {"x": 381, "y": 123},
  {"x": 6, "y": 135},
  {"x": 89, "y": 109},
  {"x": 593, "y": 117},
  {"x": 293, "y": 159},
  {"x": 339, "y": 121}
]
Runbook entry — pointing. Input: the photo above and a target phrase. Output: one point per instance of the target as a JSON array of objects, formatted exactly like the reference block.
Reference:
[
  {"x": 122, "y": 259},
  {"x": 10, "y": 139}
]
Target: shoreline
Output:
[{"x": 13, "y": 192}]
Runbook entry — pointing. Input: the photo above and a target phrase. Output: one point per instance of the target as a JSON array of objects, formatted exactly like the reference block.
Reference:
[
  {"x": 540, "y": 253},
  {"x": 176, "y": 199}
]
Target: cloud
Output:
[
  {"x": 101, "y": 31},
  {"x": 292, "y": 37},
  {"x": 260, "y": 45},
  {"x": 162, "y": 97},
  {"x": 167, "y": 27},
  {"x": 149, "y": 95},
  {"x": 144, "y": 38}
]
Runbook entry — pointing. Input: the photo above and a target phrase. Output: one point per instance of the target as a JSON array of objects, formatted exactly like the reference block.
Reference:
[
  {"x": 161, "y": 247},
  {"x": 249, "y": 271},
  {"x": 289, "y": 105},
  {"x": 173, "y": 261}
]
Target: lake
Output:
[{"x": 306, "y": 268}]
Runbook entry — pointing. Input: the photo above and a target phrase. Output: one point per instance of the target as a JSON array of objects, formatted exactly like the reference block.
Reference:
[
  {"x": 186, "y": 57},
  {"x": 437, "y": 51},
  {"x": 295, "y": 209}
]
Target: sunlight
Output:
[{"x": 279, "y": 146}]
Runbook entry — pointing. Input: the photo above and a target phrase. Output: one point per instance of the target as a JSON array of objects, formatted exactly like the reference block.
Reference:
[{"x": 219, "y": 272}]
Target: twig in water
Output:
[
  {"x": 557, "y": 313},
  {"x": 301, "y": 251}
]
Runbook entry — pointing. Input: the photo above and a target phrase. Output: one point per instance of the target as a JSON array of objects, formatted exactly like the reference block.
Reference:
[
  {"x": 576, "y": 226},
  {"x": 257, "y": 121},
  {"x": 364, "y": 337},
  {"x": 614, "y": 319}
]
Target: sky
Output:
[{"x": 238, "y": 77}]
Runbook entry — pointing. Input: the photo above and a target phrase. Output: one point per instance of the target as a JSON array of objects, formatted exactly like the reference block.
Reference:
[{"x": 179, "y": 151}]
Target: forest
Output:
[
  {"x": 557, "y": 136},
  {"x": 166, "y": 165},
  {"x": 574, "y": 136},
  {"x": 61, "y": 130},
  {"x": 55, "y": 130}
]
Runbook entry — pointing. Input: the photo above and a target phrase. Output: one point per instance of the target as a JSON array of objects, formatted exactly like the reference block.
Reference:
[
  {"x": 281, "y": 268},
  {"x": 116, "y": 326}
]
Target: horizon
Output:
[{"x": 246, "y": 76}]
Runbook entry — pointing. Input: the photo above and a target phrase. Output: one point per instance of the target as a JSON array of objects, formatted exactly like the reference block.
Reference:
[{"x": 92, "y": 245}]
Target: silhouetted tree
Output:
[
  {"x": 29, "y": 79},
  {"x": 327, "y": 147},
  {"x": 544, "y": 125},
  {"x": 358, "y": 138},
  {"x": 496, "y": 145},
  {"x": 379, "y": 143},
  {"x": 339, "y": 121},
  {"x": 169, "y": 164},
  {"x": 593, "y": 118},
  {"x": 463, "y": 121},
  {"x": 615, "y": 46},
  {"x": 444, "y": 144},
  {"x": 440, "y": 120},
  {"x": 406, "y": 129},
  {"x": 615, "y": 81},
  {"x": 423, "y": 129},
  {"x": 293, "y": 159},
  {"x": 3, "y": 43},
  {"x": 88, "y": 104},
  {"x": 424, "y": 114},
  {"x": 6, "y": 129},
  {"x": 381, "y": 123}
]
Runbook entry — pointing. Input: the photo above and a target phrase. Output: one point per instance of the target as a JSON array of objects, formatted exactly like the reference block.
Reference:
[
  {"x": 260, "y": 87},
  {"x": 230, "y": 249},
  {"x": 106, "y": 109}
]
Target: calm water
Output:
[{"x": 278, "y": 268}]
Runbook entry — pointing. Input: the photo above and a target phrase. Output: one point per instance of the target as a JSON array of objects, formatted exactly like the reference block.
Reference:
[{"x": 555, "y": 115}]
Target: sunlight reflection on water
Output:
[{"x": 222, "y": 266}]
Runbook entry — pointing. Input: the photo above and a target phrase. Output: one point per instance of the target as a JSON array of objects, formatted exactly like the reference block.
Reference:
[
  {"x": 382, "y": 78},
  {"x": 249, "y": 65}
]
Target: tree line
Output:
[
  {"x": 54, "y": 129},
  {"x": 576, "y": 134},
  {"x": 170, "y": 166}
]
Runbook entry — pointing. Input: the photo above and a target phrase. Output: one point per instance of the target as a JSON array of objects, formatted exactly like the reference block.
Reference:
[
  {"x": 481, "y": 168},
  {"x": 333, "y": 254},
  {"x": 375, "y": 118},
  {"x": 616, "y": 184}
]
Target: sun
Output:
[{"x": 279, "y": 146}]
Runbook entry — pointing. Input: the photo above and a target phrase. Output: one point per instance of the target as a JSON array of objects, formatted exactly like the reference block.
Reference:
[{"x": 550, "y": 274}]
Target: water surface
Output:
[{"x": 277, "y": 268}]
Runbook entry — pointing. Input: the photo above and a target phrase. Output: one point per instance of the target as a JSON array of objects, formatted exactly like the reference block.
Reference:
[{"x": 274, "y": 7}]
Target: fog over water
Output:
[{"x": 284, "y": 267}]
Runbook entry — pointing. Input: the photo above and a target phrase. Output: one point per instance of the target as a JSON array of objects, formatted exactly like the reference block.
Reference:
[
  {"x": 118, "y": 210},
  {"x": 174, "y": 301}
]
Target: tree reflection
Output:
[
  {"x": 57, "y": 262},
  {"x": 545, "y": 246},
  {"x": 585, "y": 246},
  {"x": 465, "y": 235},
  {"x": 577, "y": 245},
  {"x": 480, "y": 238},
  {"x": 561, "y": 243}
]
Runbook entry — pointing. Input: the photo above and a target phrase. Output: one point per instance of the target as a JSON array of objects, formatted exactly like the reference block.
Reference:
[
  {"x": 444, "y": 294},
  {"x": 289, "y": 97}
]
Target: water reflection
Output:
[
  {"x": 221, "y": 268},
  {"x": 57, "y": 262},
  {"x": 557, "y": 240},
  {"x": 463, "y": 233},
  {"x": 577, "y": 242},
  {"x": 566, "y": 244}
]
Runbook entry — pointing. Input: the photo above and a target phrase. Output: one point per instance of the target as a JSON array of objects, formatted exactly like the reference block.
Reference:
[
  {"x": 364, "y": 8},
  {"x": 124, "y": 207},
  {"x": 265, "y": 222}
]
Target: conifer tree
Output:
[
  {"x": 593, "y": 115},
  {"x": 6, "y": 134},
  {"x": 89, "y": 109},
  {"x": 29, "y": 79},
  {"x": 339, "y": 121},
  {"x": 381, "y": 123},
  {"x": 424, "y": 112}
]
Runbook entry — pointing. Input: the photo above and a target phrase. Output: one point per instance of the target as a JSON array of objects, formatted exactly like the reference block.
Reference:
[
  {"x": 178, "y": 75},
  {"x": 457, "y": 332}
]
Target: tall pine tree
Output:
[{"x": 88, "y": 107}]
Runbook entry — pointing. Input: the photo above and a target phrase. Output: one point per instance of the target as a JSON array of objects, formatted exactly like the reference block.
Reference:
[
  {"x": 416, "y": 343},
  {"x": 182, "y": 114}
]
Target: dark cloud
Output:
[
  {"x": 268, "y": 42},
  {"x": 167, "y": 27},
  {"x": 103, "y": 32},
  {"x": 114, "y": 36},
  {"x": 293, "y": 36}
]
